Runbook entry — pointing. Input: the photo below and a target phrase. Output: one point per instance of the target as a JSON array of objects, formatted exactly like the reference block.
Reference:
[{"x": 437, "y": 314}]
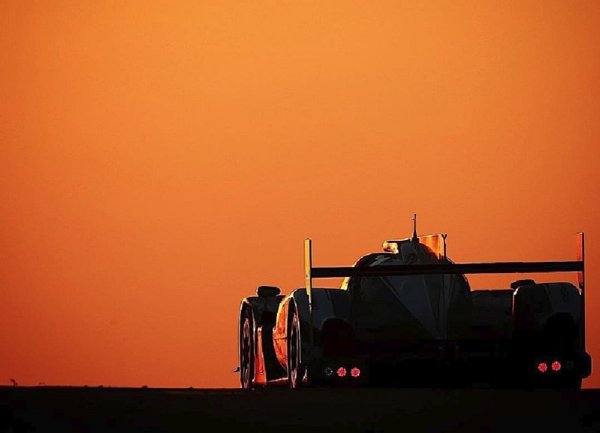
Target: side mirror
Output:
[
  {"x": 516, "y": 284},
  {"x": 266, "y": 291}
]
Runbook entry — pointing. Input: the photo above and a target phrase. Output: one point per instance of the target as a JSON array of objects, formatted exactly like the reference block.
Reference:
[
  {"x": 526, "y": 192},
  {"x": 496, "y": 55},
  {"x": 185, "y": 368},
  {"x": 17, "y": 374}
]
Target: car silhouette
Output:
[{"x": 408, "y": 317}]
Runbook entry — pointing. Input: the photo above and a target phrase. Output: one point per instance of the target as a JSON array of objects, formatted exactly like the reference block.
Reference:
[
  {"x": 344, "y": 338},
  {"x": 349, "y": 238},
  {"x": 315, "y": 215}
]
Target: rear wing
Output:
[{"x": 578, "y": 266}]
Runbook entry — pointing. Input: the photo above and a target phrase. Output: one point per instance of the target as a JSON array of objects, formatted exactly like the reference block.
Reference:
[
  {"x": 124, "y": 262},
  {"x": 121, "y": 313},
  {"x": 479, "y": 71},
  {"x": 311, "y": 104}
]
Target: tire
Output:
[
  {"x": 295, "y": 370},
  {"x": 247, "y": 351}
]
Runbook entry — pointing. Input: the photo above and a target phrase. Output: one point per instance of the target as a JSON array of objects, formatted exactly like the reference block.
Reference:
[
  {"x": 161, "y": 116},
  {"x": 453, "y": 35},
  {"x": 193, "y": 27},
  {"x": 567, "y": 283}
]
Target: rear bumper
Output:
[{"x": 501, "y": 368}]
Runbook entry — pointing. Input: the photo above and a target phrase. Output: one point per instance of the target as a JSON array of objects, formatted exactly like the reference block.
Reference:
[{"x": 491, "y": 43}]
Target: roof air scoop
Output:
[
  {"x": 393, "y": 246},
  {"x": 390, "y": 247}
]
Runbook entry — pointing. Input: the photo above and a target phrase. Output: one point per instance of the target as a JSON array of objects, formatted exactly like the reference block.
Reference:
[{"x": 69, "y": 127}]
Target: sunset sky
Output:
[{"x": 161, "y": 159}]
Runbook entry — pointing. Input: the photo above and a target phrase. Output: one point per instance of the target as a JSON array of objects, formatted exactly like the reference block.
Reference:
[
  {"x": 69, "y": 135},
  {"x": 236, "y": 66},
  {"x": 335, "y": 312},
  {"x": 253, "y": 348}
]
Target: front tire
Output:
[
  {"x": 295, "y": 370},
  {"x": 247, "y": 351}
]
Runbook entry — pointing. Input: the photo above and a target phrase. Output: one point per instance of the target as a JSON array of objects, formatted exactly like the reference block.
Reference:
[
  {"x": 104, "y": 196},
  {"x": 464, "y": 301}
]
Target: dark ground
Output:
[{"x": 51, "y": 409}]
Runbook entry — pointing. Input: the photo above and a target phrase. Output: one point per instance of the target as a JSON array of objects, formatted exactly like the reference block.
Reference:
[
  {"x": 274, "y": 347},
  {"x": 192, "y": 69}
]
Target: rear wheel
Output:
[
  {"x": 295, "y": 370},
  {"x": 247, "y": 351}
]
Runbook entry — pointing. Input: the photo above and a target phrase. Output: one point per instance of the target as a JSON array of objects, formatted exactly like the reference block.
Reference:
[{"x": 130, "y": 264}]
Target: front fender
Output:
[{"x": 261, "y": 305}]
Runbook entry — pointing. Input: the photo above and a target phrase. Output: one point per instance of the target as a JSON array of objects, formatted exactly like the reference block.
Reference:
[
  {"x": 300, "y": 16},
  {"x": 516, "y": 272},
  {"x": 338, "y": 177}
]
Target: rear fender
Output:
[
  {"x": 547, "y": 317},
  {"x": 534, "y": 304},
  {"x": 326, "y": 304}
]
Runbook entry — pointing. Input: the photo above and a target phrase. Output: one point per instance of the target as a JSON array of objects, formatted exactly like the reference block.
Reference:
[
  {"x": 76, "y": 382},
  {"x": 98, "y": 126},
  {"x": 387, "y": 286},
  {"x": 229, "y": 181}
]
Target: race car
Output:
[{"x": 407, "y": 316}]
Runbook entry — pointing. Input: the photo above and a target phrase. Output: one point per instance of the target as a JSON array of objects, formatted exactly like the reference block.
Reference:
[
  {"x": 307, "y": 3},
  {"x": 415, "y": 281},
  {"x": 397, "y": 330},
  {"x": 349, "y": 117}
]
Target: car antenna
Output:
[{"x": 414, "y": 218}]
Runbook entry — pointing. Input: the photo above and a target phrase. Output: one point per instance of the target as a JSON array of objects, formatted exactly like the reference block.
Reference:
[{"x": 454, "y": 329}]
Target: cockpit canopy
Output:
[{"x": 409, "y": 306}]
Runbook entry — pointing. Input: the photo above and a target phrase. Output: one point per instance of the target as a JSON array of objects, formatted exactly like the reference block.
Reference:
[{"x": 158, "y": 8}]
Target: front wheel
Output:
[
  {"x": 247, "y": 351},
  {"x": 295, "y": 370}
]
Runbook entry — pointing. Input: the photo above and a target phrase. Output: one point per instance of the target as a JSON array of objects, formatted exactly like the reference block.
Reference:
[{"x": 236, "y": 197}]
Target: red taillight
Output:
[
  {"x": 355, "y": 372},
  {"x": 341, "y": 372},
  {"x": 542, "y": 367},
  {"x": 556, "y": 366}
]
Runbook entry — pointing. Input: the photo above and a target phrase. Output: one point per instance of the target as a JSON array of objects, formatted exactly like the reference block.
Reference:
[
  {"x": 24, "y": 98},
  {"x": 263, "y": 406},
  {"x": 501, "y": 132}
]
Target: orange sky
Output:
[{"x": 159, "y": 160}]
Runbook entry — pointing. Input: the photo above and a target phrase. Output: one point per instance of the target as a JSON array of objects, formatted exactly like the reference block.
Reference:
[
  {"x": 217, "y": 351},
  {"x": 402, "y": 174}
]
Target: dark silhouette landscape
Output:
[{"x": 372, "y": 410}]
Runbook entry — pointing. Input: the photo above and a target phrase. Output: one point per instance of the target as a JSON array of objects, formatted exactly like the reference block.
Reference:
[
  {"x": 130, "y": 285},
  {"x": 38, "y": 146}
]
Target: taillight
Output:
[
  {"x": 328, "y": 371},
  {"x": 355, "y": 372},
  {"x": 341, "y": 372},
  {"x": 542, "y": 367},
  {"x": 556, "y": 366}
]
